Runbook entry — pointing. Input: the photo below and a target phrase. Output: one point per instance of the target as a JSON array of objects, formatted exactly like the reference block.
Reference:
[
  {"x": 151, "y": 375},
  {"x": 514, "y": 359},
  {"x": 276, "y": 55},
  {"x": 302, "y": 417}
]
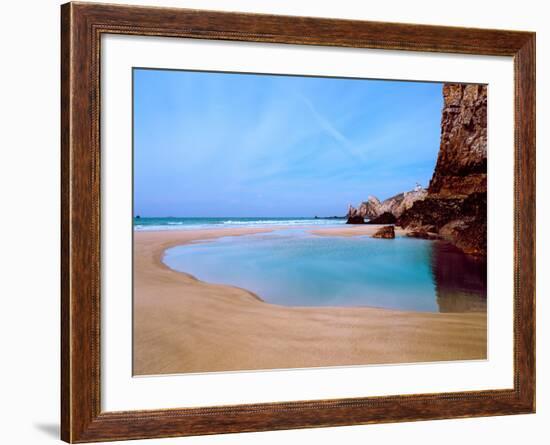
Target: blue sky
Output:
[{"x": 220, "y": 144}]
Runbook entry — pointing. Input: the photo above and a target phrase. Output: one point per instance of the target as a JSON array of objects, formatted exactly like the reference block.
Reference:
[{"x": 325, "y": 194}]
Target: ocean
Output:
[
  {"x": 176, "y": 223},
  {"x": 293, "y": 267}
]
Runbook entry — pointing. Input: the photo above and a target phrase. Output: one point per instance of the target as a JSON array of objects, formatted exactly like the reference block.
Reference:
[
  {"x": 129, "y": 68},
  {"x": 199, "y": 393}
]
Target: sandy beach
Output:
[
  {"x": 183, "y": 325},
  {"x": 354, "y": 230}
]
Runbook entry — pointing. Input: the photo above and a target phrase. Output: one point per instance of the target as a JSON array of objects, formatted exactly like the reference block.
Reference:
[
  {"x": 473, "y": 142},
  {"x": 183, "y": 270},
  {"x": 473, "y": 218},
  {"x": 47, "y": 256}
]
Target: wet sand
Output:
[
  {"x": 183, "y": 325},
  {"x": 354, "y": 230}
]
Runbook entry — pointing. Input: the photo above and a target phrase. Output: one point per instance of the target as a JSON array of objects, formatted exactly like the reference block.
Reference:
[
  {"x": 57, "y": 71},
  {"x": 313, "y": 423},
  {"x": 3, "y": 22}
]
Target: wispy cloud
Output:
[
  {"x": 211, "y": 144},
  {"x": 333, "y": 132}
]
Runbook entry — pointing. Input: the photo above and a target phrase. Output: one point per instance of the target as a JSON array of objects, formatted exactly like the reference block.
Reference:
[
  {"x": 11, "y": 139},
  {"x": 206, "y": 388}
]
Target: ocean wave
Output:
[
  {"x": 155, "y": 228},
  {"x": 183, "y": 225},
  {"x": 287, "y": 222}
]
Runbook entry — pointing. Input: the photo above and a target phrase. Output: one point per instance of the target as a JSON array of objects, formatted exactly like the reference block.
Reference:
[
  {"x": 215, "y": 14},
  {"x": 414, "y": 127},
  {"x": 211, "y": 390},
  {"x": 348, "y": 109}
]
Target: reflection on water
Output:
[
  {"x": 295, "y": 268},
  {"x": 460, "y": 280}
]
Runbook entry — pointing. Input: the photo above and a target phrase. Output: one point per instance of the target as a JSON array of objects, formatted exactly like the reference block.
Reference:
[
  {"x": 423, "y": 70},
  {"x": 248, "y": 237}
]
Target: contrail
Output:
[{"x": 330, "y": 129}]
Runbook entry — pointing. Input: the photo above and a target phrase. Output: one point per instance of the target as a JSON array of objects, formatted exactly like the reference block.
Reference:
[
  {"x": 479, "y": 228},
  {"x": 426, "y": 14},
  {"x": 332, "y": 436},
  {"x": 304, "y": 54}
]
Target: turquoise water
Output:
[
  {"x": 296, "y": 268},
  {"x": 176, "y": 223}
]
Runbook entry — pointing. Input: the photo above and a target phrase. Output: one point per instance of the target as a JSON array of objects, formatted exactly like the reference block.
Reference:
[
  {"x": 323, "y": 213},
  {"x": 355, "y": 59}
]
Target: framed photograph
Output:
[{"x": 274, "y": 222}]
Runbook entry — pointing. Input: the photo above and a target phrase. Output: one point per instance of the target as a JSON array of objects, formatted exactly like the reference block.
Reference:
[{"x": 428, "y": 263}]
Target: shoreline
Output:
[
  {"x": 356, "y": 230},
  {"x": 182, "y": 324}
]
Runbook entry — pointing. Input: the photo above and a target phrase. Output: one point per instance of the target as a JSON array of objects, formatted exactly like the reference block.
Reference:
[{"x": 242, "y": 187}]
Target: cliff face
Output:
[
  {"x": 455, "y": 206},
  {"x": 461, "y": 167}
]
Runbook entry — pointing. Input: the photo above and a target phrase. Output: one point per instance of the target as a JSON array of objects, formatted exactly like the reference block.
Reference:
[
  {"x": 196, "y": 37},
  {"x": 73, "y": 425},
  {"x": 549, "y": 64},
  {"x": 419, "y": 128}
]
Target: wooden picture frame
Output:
[{"x": 82, "y": 25}]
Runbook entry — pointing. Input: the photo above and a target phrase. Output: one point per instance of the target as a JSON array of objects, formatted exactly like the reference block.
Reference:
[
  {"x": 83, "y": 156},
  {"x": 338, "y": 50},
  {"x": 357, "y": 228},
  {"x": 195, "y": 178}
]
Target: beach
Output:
[
  {"x": 184, "y": 325},
  {"x": 353, "y": 230}
]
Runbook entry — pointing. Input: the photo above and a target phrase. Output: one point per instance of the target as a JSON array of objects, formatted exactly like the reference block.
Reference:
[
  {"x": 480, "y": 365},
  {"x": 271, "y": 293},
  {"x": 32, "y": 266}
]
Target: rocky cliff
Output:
[
  {"x": 461, "y": 167},
  {"x": 373, "y": 208},
  {"x": 455, "y": 206}
]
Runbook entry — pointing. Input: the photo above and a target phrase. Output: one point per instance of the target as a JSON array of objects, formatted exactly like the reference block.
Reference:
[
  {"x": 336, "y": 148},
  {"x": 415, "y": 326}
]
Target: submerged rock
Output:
[{"x": 385, "y": 232}]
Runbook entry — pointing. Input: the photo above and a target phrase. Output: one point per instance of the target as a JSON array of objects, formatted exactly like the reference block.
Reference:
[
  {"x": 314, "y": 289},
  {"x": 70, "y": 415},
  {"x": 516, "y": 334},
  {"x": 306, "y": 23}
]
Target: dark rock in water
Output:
[
  {"x": 456, "y": 203},
  {"x": 387, "y": 232},
  {"x": 384, "y": 218}
]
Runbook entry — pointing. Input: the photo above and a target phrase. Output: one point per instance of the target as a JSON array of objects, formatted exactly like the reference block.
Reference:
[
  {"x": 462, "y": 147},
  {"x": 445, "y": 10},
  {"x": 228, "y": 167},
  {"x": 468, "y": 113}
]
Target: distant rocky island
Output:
[{"x": 454, "y": 206}]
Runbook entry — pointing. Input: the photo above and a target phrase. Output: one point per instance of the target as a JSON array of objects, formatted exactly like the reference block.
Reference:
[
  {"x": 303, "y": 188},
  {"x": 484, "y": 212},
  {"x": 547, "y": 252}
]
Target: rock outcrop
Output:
[
  {"x": 384, "y": 218},
  {"x": 387, "y": 232},
  {"x": 354, "y": 216},
  {"x": 370, "y": 207},
  {"x": 373, "y": 208},
  {"x": 455, "y": 206},
  {"x": 397, "y": 204}
]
